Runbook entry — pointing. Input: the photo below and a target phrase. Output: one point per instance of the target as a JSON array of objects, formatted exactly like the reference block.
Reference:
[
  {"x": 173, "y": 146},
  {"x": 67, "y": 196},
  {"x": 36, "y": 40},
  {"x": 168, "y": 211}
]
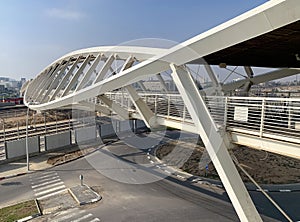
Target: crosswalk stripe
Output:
[
  {"x": 47, "y": 172},
  {"x": 51, "y": 194},
  {"x": 45, "y": 183},
  {"x": 61, "y": 213},
  {"x": 45, "y": 176},
  {"x": 68, "y": 216},
  {"x": 48, "y": 186},
  {"x": 50, "y": 190},
  {"x": 40, "y": 177},
  {"x": 45, "y": 179},
  {"x": 83, "y": 218},
  {"x": 95, "y": 220}
]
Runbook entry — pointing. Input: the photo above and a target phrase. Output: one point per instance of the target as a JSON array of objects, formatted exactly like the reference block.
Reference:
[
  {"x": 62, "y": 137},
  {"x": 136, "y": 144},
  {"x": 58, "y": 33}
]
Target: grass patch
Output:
[{"x": 18, "y": 211}]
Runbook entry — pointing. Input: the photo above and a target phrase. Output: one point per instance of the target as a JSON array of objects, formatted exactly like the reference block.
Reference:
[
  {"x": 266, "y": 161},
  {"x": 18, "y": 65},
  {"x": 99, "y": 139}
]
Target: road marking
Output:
[
  {"x": 68, "y": 211},
  {"x": 51, "y": 194},
  {"x": 45, "y": 183},
  {"x": 64, "y": 218},
  {"x": 50, "y": 190},
  {"x": 48, "y": 186},
  {"x": 45, "y": 176},
  {"x": 82, "y": 218},
  {"x": 167, "y": 171},
  {"x": 43, "y": 180},
  {"x": 95, "y": 220},
  {"x": 46, "y": 172},
  {"x": 284, "y": 190}
]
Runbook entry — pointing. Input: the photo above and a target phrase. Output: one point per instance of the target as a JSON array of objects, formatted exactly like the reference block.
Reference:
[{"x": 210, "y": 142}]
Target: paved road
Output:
[
  {"x": 15, "y": 190},
  {"x": 142, "y": 192},
  {"x": 162, "y": 200}
]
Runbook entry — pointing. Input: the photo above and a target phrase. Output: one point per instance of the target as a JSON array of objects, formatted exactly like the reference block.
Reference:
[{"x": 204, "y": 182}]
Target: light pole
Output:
[{"x": 26, "y": 142}]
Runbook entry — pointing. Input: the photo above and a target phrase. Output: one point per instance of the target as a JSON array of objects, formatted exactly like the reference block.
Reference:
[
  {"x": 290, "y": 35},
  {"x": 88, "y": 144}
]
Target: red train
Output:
[{"x": 16, "y": 101}]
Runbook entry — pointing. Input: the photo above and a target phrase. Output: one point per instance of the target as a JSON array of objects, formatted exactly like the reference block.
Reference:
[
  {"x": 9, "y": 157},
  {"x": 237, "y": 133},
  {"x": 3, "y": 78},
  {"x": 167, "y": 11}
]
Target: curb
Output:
[
  {"x": 32, "y": 216},
  {"x": 28, "y": 218},
  {"x": 88, "y": 202},
  {"x": 13, "y": 175}
]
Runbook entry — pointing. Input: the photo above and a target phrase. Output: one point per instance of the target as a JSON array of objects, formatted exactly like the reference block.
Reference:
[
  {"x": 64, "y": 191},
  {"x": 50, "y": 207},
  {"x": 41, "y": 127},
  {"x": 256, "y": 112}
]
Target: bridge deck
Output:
[{"x": 272, "y": 124}]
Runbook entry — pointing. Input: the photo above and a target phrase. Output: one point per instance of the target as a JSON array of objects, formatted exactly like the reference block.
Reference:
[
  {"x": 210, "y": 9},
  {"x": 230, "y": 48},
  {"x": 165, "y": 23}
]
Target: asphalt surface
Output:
[{"x": 134, "y": 189}]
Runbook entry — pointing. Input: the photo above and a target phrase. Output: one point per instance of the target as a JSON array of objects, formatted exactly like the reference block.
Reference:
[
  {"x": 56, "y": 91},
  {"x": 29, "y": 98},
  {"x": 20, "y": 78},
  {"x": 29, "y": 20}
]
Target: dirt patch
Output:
[
  {"x": 264, "y": 167},
  {"x": 56, "y": 160}
]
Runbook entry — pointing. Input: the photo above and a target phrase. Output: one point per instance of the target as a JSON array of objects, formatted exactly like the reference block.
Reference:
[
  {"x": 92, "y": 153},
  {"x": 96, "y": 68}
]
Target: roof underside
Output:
[{"x": 275, "y": 49}]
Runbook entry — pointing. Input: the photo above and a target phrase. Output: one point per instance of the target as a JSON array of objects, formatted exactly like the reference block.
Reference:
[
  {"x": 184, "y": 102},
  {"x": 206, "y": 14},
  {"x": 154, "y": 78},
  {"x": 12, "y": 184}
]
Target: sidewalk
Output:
[{"x": 37, "y": 162}]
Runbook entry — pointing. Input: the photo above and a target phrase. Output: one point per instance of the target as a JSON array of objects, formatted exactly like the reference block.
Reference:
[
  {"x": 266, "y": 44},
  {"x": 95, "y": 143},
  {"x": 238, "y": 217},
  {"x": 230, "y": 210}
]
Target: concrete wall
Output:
[
  {"x": 57, "y": 140},
  {"x": 17, "y": 148},
  {"x": 85, "y": 134},
  {"x": 140, "y": 124},
  {"x": 125, "y": 125},
  {"x": 107, "y": 130}
]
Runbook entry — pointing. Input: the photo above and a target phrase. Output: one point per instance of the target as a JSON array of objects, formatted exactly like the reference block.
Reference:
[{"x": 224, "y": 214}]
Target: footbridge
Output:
[{"x": 113, "y": 80}]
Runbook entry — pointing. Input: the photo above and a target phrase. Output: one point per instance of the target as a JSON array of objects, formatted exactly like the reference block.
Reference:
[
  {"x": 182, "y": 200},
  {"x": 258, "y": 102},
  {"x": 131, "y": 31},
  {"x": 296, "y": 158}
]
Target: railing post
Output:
[
  {"x": 45, "y": 123},
  {"x": 262, "y": 118},
  {"x": 18, "y": 130},
  {"x": 290, "y": 115},
  {"x": 3, "y": 130},
  {"x": 168, "y": 114},
  {"x": 155, "y": 105},
  {"x": 225, "y": 112}
]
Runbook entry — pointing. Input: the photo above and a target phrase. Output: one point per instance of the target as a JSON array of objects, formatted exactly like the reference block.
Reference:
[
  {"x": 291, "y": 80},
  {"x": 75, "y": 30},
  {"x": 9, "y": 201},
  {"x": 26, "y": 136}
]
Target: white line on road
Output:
[
  {"x": 51, "y": 194},
  {"x": 83, "y": 218},
  {"x": 43, "y": 180},
  {"x": 45, "y": 176},
  {"x": 50, "y": 190},
  {"x": 61, "y": 213},
  {"x": 68, "y": 216},
  {"x": 45, "y": 183},
  {"x": 46, "y": 172},
  {"x": 95, "y": 220},
  {"x": 48, "y": 186}
]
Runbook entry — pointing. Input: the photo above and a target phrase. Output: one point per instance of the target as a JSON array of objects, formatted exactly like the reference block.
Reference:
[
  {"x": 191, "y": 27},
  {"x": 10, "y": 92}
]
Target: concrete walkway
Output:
[{"x": 38, "y": 162}]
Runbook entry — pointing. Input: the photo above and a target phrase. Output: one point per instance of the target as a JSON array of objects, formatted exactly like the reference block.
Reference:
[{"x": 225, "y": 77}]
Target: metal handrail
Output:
[{"x": 263, "y": 116}]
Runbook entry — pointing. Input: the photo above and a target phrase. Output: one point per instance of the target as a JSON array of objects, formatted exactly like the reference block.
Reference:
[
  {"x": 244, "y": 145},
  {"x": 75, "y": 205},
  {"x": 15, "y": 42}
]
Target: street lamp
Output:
[{"x": 26, "y": 141}]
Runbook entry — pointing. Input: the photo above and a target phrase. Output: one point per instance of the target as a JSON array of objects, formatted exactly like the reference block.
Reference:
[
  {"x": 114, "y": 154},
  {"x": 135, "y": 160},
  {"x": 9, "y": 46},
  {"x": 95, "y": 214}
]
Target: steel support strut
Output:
[{"x": 216, "y": 145}]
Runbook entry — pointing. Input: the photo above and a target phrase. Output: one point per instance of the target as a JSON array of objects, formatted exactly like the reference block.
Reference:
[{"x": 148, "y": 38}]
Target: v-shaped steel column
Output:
[{"x": 216, "y": 145}]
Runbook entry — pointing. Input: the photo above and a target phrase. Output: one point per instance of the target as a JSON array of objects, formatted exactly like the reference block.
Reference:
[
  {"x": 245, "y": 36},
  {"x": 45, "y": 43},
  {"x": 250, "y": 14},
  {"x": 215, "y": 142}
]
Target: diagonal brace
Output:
[{"x": 216, "y": 145}]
